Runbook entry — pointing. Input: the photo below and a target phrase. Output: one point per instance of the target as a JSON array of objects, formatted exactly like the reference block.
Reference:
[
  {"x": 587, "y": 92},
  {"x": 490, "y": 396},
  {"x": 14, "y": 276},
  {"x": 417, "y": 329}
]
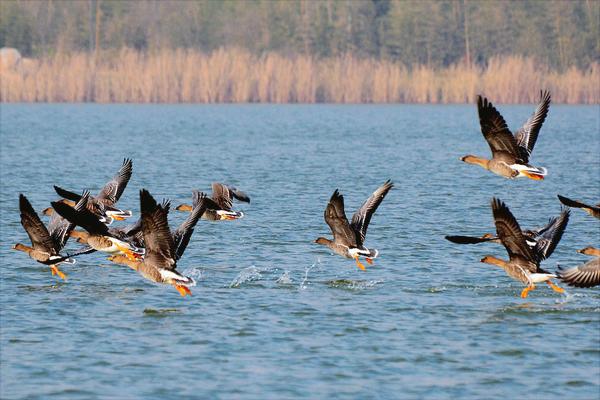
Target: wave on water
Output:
[{"x": 352, "y": 284}]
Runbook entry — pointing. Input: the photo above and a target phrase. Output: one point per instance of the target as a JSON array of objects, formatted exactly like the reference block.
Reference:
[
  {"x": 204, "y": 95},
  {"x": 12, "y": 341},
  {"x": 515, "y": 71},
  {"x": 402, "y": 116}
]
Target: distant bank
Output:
[{"x": 237, "y": 76}]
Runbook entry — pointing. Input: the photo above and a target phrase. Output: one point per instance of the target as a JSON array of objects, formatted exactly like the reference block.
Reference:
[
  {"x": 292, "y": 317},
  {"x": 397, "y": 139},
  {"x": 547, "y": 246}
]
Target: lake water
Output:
[{"x": 274, "y": 315}]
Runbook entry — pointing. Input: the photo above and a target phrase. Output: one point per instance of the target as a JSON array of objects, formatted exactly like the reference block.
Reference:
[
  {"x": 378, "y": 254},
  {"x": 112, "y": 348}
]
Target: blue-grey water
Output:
[{"x": 275, "y": 316}]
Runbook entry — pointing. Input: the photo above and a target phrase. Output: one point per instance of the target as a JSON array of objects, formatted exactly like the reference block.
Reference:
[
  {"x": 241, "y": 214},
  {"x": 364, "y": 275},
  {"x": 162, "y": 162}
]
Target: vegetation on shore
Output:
[{"x": 238, "y": 76}]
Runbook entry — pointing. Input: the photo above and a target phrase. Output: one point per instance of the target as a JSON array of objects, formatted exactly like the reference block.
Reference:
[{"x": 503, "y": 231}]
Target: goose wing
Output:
[
  {"x": 222, "y": 196},
  {"x": 83, "y": 218},
  {"x": 511, "y": 236},
  {"x": 527, "y": 135},
  {"x": 549, "y": 236},
  {"x": 337, "y": 221},
  {"x": 66, "y": 194},
  {"x": 578, "y": 204},
  {"x": 238, "y": 194},
  {"x": 35, "y": 228},
  {"x": 494, "y": 129},
  {"x": 183, "y": 234},
  {"x": 362, "y": 217},
  {"x": 586, "y": 275},
  {"x": 157, "y": 236},
  {"x": 112, "y": 191},
  {"x": 60, "y": 228},
  {"x": 469, "y": 239}
]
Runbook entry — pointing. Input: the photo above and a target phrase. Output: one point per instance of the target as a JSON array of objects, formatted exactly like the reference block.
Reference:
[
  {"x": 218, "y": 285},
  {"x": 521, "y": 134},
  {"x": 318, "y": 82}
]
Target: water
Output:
[{"x": 273, "y": 315}]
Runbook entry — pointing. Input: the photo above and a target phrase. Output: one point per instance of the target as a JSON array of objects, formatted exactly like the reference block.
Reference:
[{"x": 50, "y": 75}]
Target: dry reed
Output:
[{"x": 237, "y": 76}]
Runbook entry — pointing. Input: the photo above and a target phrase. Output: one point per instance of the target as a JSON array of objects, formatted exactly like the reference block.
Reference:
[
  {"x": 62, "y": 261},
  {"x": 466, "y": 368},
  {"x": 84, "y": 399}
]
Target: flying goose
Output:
[
  {"x": 103, "y": 205},
  {"x": 586, "y": 275},
  {"x": 348, "y": 238},
  {"x": 510, "y": 154},
  {"x": 163, "y": 247},
  {"x": 219, "y": 207},
  {"x": 523, "y": 264},
  {"x": 98, "y": 235},
  {"x": 594, "y": 211},
  {"x": 47, "y": 242},
  {"x": 542, "y": 241}
]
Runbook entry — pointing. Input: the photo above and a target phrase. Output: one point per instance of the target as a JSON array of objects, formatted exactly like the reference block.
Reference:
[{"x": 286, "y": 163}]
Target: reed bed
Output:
[{"x": 237, "y": 76}]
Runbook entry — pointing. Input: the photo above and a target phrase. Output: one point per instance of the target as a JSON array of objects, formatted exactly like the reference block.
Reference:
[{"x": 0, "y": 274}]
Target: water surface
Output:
[{"x": 275, "y": 316}]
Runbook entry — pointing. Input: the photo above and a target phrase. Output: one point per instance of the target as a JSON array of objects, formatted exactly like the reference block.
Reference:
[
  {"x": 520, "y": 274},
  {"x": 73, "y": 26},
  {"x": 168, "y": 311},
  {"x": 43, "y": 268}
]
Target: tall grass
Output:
[{"x": 237, "y": 76}]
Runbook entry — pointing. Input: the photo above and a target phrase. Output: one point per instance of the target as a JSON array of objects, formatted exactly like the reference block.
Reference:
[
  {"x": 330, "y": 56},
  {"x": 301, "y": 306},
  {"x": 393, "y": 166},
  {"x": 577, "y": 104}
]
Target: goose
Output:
[
  {"x": 163, "y": 247},
  {"x": 510, "y": 154},
  {"x": 523, "y": 264},
  {"x": 586, "y": 275},
  {"x": 46, "y": 243},
  {"x": 103, "y": 205},
  {"x": 594, "y": 211},
  {"x": 220, "y": 206},
  {"x": 542, "y": 241},
  {"x": 348, "y": 238},
  {"x": 98, "y": 236}
]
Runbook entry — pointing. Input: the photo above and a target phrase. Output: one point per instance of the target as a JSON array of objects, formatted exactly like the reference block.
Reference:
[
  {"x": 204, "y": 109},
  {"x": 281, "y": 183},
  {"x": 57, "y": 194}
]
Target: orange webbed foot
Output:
[
  {"x": 526, "y": 291},
  {"x": 359, "y": 264},
  {"x": 183, "y": 290},
  {"x": 56, "y": 271},
  {"x": 555, "y": 287},
  {"x": 369, "y": 260}
]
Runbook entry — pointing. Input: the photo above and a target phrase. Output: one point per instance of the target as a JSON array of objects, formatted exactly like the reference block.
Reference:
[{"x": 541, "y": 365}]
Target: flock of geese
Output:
[{"x": 151, "y": 248}]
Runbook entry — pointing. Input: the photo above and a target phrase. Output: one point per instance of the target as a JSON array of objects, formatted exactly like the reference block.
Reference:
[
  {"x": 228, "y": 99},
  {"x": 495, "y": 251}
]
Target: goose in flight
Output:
[
  {"x": 510, "y": 154},
  {"x": 46, "y": 243},
  {"x": 98, "y": 236},
  {"x": 348, "y": 237},
  {"x": 523, "y": 264},
  {"x": 103, "y": 205},
  {"x": 542, "y": 241},
  {"x": 220, "y": 206},
  {"x": 586, "y": 275},
  {"x": 163, "y": 247}
]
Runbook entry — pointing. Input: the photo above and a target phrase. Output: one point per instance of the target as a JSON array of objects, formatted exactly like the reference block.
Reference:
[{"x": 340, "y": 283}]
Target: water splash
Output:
[
  {"x": 195, "y": 273},
  {"x": 304, "y": 284},
  {"x": 246, "y": 275},
  {"x": 284, "y": 279}
]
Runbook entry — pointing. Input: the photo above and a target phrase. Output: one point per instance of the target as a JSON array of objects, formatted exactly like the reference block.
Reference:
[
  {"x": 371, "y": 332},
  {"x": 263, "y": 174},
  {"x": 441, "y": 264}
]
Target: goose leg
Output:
[
  {"x": 554, "y": 287},
  {"x": 369, "y": 260},
  {"x": 56, "y": 271},
  {"x": 526, "y": 291},
  {"x": 183, "y": 290},
  {"x": 359, "y": 264}
]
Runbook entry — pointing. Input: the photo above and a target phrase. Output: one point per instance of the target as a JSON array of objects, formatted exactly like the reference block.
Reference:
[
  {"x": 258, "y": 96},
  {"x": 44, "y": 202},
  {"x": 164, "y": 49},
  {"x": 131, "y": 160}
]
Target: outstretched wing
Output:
[
  {"x": 469, "y": 239},
  {"x": 157, "y": 236},
  {"x": 586, "y": 275},
  {"x": 113, "y": 189},
  {"x": 494, "y": 129},
  {"x": 527, "y": 135},
  {"x": 183, "y": 234},
  {"x": 66, "y": 194},
  {"x": 550, "y": 235},
  {"x": 510, "y": 233},
  {"x": 60, "y": 228},
  {"x": 594, "y": 210},
  {"x": 337, "y": 221},
  {"x": 238, "y": 194},
  {"x": 35, "y": 228},
  {"x": 362, "y": 217},
  {"x": 83, "y": 218},
  {"x": 222, "y": 196}
]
